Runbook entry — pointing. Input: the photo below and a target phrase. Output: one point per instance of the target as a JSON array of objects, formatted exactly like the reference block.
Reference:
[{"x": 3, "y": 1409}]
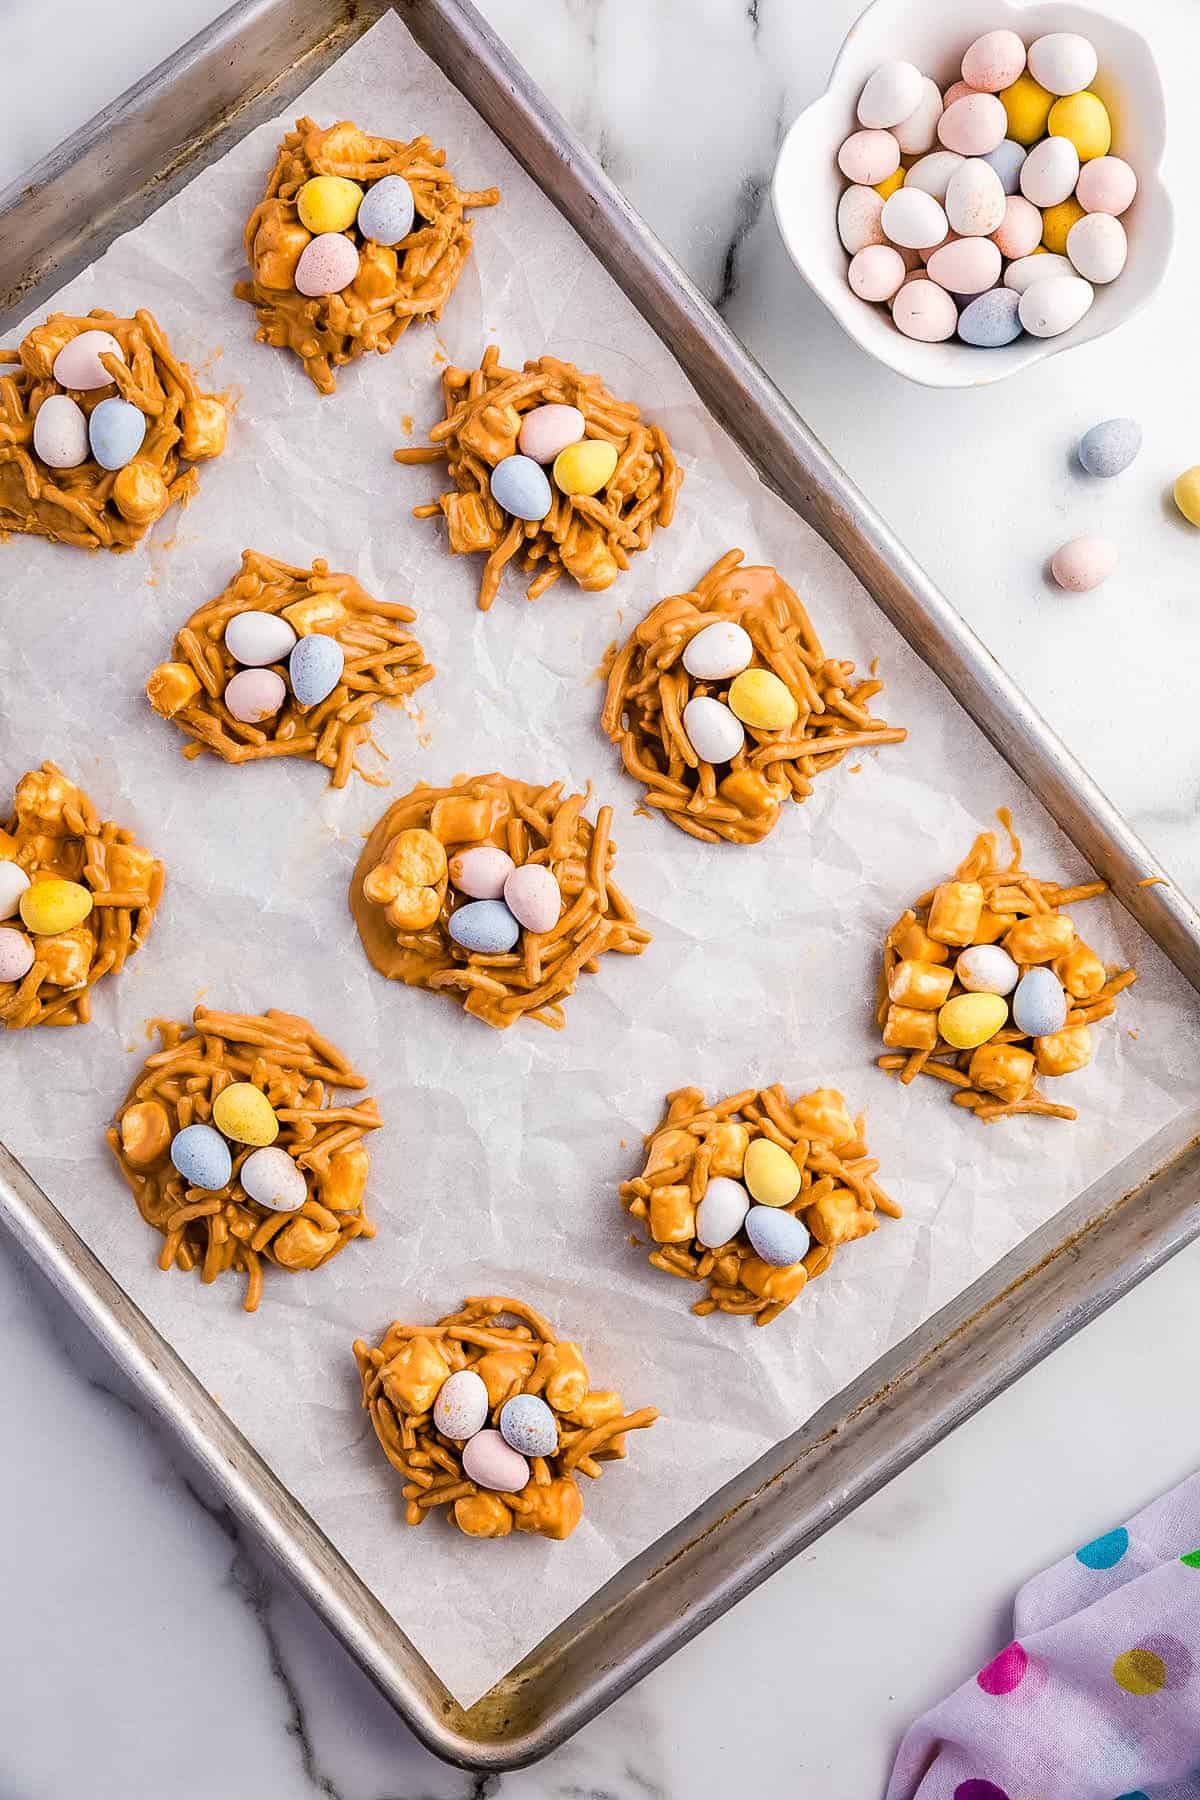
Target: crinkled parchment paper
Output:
[{"x": 498, "y": 1164}]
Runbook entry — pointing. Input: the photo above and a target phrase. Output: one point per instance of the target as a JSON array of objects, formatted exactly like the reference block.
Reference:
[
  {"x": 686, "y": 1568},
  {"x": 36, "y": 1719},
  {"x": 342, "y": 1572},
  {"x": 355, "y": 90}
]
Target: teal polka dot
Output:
[{"x": 1104, "y": 1553}]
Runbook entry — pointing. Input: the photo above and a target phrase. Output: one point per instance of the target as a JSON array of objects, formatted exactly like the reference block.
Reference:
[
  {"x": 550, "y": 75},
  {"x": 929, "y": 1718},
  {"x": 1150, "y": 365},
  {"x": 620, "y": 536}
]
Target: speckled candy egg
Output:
[
  {"x": 722, "y": 1212},
  {"x": 1025, "y": 270},
  {"x": 993, "y": 61},
  {"x": 484, "y": 928},
  {"x": 1082, "y": 563},
  {"x": 1063, "y": 62},
  {"x": 16, "y": 954},
  {"x": 723, "y": 649},
  {"x": 202, "y": 1157},
  {"x": 528, "y": 1426},
  {"x": 327, "y": 264},
  {"x": 876, "y": 272},
  {"x": 13, "y": 882},
  {"x": 991, "y": 320},
  {"x": 913, "y": 218},
  {"x": 243, "y": 1112},
  {"x": 1008, "y": 159},
  {"x": 932, "y": 174},
  {"x": 1106, "y": 185},
  {"x": 253, "y": 695},
  {"x": 521, "y": 487},
  {"x": 481, "y": 872},
  {"x": 1020, "y": 230},
  {"x": 712, "y": 731},
  {"x": 60, "y": 432},
  {"x": 1039, "y": 1005},
  {"x": 869, "y": 156},
  {"x": 777, "y": 1237},
  {"x": 548, "y": 429},
  {"x": 315, "y": 667},
  {"x": 918, "y": 132},
  {"x": 255, "y": 639},
  {"x": 533, "y": 897},
  {"x": 859, "y": 213},
  {"x": 271, "y": 1177},
  {"x": 387, "y": 211},
  {"x": 974, "y": 199},
  {"x": 925, "y": 311},
  {"x": 489, "y": 1462},
  {"x": 1049, "y": 308},
  {"x": 973, "y": 125},
  {"x": 1050, "y": 171},
  {"x": 893, "y": 92},
  {"x": 462, "y": 1405},
  {"x": 966, "y": 267},
  {"x": 1106, "y": 448},
  {"x": 987, "y": 969},
  {"x": 116, "y": 429},
  {"x": 1097, "y": 247},
  {"x": 78, "y": 364}
]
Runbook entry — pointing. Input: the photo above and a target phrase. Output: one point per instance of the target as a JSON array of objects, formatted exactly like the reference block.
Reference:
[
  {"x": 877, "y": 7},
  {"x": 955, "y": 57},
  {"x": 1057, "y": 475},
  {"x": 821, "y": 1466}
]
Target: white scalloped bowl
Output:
[{"x": 807, "y": 182}]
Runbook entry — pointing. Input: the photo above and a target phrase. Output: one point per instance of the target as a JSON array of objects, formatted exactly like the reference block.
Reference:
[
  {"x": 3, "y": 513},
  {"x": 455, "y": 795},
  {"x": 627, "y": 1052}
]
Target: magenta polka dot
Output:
[
  {"x": 976, "y": 1789},
  {"x": 1005, "y": 1672}
]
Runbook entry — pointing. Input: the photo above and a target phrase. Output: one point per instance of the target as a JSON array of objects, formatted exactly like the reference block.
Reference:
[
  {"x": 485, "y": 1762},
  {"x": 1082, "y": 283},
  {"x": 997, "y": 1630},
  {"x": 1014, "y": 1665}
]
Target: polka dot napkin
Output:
[{"x": 1098, "y": 1695}]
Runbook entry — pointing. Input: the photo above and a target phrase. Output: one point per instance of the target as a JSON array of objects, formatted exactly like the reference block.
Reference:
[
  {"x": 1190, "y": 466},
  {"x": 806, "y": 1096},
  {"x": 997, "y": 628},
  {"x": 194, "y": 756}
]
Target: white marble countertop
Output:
[{"x": 147, "y": 1651}]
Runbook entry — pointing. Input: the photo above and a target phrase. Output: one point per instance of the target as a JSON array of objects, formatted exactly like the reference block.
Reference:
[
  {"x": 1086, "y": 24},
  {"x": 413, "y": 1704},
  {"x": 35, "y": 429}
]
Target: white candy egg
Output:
[
  {"x": 918, "y": 133},
  {"x": 932, "y": 174},
  {"x": 974, "y": 199},
  {"x": 1082, "y": 563},
  {"x": 1097, "y": 246},
  {"x": 1050, "y": 171},
  {"x": 257, "y": 638},
  {"x": 1106, "y": 185},
  {"x": 1063, "y": 62},
  {"x": 913, "y": 218},
  {"x": 488, "y": 1461},
  {"x": 967, "y": 266},
  {"x": 925, "y": 311},
  {"x": 876, "y": 273},
  {"x": 78, "y": 364},
  {"x": 858, "y": 218},
  {"x": 723, "y": 649},
  {"x": 869, "y": 156},
  {"x": 13, "y": 882},
  {"x": 255, "y": 694},
  {"x": 987, "y": 969},
  {"x": 481, "y": 871},
  {"x": 60, "y": 433},
  {"x": 892, "y": 93},
  {"x": 1022, "y": 273},
  {"x": 722, "y": 1212},
  {"x": 1049, "y": 308},
  {"x": 462, "y": 1405},
  {"x": 271, "y": 1177},
  {"x": 712, "y": 730}
]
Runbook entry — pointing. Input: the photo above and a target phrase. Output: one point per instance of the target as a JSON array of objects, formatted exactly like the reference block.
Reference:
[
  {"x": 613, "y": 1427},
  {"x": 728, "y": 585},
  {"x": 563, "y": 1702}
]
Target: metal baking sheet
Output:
[{"x": 111, "y": 175}]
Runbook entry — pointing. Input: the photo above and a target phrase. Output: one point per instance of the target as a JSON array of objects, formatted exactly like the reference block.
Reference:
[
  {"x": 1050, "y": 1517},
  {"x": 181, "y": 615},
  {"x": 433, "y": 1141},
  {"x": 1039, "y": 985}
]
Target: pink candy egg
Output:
[
  {"x": 1083, "y": 563},
  {"x": 966, "y": 267},
  {"x": 994, "y": 61},
  {"x": 1106, "y": 185},
  {"x": 869, "y": 156},
  {"x": 925, "y": 311},
  {"x": 951, "y": 237},
  {"x": 918, "y": 133},
  {"x": 877, "y": 272},
  {"x": 957, "y": 90},
  {"x": 328, "y": 264},
  {"x": 78, "y": 364},
  {"x": 532, "y": 896},
  {"x": 1020, "y": 231},
  {"x": 974, "y": 199},
  {"x": 16, "y": 954},
  {"x": 255, "y": 694},
  {"x": 488, "y": 1461},
  {"x": 973, "y": 125},
  {"x": 548, "y": 429},
  {"x": 859, "y": 213}
]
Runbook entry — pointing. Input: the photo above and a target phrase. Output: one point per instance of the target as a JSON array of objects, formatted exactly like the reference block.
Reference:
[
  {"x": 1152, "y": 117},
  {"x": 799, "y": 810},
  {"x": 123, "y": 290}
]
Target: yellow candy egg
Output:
[
  {"x": 1057, "y": 222},
  {"x": 329, "y": 203},
  {"x": 1187, "y": 494},
  {"x": 1083, "y": 120},
  {"x": 244, "y": 1113},
  {"x": 584, "y": 468},
  {"x": 971, "y": 1019},
  {"x": 894, "y": 180},
  {"x": 759, "y": 699},
  {"x": 770, "y": 1174},
  {"x": 53, "y": 905},
  {"x": 1027, "y": 106}
]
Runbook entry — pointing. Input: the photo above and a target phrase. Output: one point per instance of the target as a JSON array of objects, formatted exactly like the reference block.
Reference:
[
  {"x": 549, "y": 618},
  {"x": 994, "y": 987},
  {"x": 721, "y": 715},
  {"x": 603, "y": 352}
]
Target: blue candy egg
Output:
[
  {"x": 315, "y": 667},
  {"x": 202, "y": 1157},
  {"x": 1110, "y": 446},
  {"x": 485, "y": 926},
  {"x": 520, "y": 486},
  {"x": 778, "y": 1237},
  {"x": 1006, "y": 159},
  {"x": 386, "y": 211},
  {"x": 115, "y": 432},
  {"x": 528, "y": 1425},
  {"x": 1039, "y": 1005},
  {"x": 990, "y": 321}
]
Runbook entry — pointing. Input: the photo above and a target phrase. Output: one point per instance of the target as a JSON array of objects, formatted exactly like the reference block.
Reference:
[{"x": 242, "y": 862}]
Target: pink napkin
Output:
[{"x": 1098, "y": 1695}]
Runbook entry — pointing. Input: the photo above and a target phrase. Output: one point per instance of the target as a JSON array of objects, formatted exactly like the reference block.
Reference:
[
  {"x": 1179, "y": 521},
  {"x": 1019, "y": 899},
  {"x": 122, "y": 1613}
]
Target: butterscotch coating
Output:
[
  {"x": 398, "y": 883},
  {"x": 55, "y": 830},
  {"x": 988, "y": 901},
  {"x": 91, "y": 506},
  {"x": 514, "y": 1351},
  {"x": 384, "y": 663},
  {"x": 648, "y": 689},
  {"x": 694, "y": 1142},
  {"x": 299, "y": 1072},
  {"x": 394, "y": 284},
  {"x": 590, "y": 537}
]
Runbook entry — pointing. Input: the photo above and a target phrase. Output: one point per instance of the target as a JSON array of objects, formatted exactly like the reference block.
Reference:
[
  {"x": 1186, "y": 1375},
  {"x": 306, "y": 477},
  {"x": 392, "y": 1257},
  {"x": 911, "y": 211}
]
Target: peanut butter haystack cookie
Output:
[
  {"x": 494, "y": 892},
  {"x": 489, "y": 1414},
  {"x": 248, "y": 682},
  {"x": 724, "y": 704},
  {"x": 754, "y": 1193},
  {"x": 614, "y": 477},
  {"x": 237, "y": 1150},
  {"x": 77, "y": 897},
  {"x": 355, "y": 238},
  {"x": 986, "y": 985},
  {"x": 95, "y": 424}
]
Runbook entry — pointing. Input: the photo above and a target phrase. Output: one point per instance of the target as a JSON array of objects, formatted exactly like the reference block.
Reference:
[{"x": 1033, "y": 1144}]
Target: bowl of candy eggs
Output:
[{"x": 1013, "y": 207}]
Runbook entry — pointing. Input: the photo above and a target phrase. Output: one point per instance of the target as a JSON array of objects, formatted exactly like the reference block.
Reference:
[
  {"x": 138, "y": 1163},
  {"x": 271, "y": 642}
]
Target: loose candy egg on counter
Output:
[
  {"x": 987, "y": 969},
  {"x": 60, "y": 432},
  {"x": 520, "y": 486},
  {"x": 723, "y": 649},
  {"x": 974, "y": 199},
  {"x": 13, "y": 882},
  {"x": 315, "y": 667},
  {"x": 1186, "y": 494},
  {"x": 484, "y": 927},
  {"x": 202, "y": 1157},
  {"x": 462, "y": 1405},
  {"x": 1057, "y": 222},
  {"x": 328, "y": 203},
  {"x": 489, "y": 1462},
  {"x": 869, "y": 156},
  {"x": 253, "y": 695},
  {"x": 1027, "y": 107},
  {"x": 932, "y": 174},
  {"x": 971, "y": 1019},
  {"x": 1107, "y": 448},
  {"x": 115, "y": 431},
  {"x": 993, "y": 61},
  {"x": 893, "y": 92},
  {"x": 271, "y": 1177},
  {"x": 16, "y": 954},
  {"x": 966, "y": 267},
  {"x": 859, "y": 216},
  {"x": 255, "y": 639},
  {"x": 1020, "y": 231},
  {"x": 876, "y": 273},
  {"x": 1097, "y": 246},
  {"x": 387, "y": 211},
  {"x": 78, "y": 364},
  {"x": 722, "y": 1212},
  {"x": 991, "y": 320},
  {"x": 533, "y": 897},
  {"x": 528, "y": 1426},
  {"x": 779, "y": 1238},
  {"x": 770, "y": 1174},
  {"x": 327, "y": 264},
  {"x": 548, "y": 429},
  {"x": 1106, "y": 185},
  {"x": 1082, "y": 563},
  {"x": 973, "y": 125},
  {"x": 1008, "y": 159},
  {"x": 586, "y": 467},
  {"x": 1049, "y": 308},
  {"x": 761, "y": 700},
  {"x": 1083, "y": 118},
  {"x": 1025, "y": 270},
  {"x": 1050, "y": 171},
  {"x": 1039, "y": 1005},
  {"x": 481, "y": 872},
  {"x": 918, "y": 132},
  {"x": 51, "y": 905},
  {"x": 914, "y": 218},
  {"x": 925, "y": 311},
  {"x": 243, "y": 1112},
  {"x": 1063, "y": 62},
  {"x": 712, "y": 731}
]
